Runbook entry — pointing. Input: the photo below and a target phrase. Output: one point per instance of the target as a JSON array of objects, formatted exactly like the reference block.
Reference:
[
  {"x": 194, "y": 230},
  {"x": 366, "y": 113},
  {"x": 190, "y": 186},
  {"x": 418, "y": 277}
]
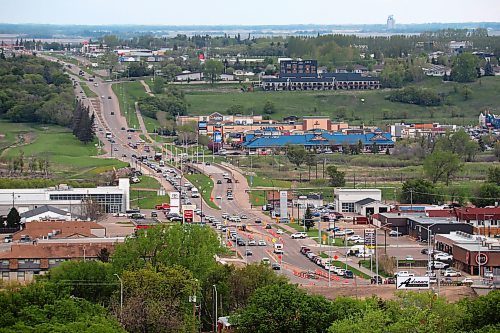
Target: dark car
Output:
[
  {"x": 258, "y": 221},
  {"x": 349, "y": 275},
  {"x": 275, "y": 266},
  {"x": 241, "y": 242},
  {"x": 219, "y": 181},
  {"x": 229, "y": 180},
  {"x": 109, "y": 97},
  {"x": 391, "y": 280},
  {"x": 375, "y": 279},
  {"x": 268, "y": 226}
]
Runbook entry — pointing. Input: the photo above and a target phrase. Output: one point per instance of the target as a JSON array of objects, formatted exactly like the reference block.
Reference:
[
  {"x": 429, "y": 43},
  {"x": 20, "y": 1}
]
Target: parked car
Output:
[
  {"x": 438, "y": 265},
  {"x": 468, "y": 281},
  {"x": 403, "y": 273},
  {"x": 394, "y": 233},
  {"x": 376, "y": 279},
  {"x": 354, "y": 238},
  {"x": 443, "y": 257},
  {"x": 451, "y": 273}
]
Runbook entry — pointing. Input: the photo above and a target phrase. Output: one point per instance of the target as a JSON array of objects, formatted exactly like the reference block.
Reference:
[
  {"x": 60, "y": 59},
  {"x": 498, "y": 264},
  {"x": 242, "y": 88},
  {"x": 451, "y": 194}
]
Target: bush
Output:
[{"x": 417, "y": 96}]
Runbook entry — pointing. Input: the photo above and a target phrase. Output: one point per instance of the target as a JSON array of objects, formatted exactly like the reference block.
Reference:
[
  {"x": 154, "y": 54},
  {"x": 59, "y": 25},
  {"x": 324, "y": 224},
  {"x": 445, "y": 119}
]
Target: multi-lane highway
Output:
[{"x": 109, "y": 119}]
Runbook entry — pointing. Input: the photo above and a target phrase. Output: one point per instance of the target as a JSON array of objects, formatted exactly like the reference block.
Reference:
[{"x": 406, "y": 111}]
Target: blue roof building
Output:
[{"x": 318, "y": 140}]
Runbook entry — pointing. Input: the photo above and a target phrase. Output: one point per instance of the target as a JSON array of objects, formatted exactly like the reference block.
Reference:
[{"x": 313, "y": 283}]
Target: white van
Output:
[
  {"x": 162, "y": 163},
  {"x": 195, "y": 193}
]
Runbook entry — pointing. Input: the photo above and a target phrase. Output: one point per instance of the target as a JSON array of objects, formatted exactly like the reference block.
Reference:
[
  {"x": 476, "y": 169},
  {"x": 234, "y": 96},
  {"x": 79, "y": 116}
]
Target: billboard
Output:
[
  {"x": 283, "y": 204},
  {"x": 413, "y": 282},
  {"x": 370, "y": 237},
  {"x": 217, "y": 137},
  {"x": 174, "y": 202},
  {"x": 188, "y": 213},
  {"x": 202, "y": 125}
]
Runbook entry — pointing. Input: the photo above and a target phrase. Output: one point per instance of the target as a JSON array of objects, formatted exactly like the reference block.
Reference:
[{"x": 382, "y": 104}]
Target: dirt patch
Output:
[{"x": 452, "y": 294}]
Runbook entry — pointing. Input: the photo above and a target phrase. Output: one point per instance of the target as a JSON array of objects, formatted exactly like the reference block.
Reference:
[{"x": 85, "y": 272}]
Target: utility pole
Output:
[
  {"x": 215, "y": 308},
  {"x": 121, "y": 294},
  {"x": 411, "y": 199}
]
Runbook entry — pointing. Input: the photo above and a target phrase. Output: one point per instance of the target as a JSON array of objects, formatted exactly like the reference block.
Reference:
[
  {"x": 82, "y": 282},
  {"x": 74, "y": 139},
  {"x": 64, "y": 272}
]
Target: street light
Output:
[
  {"x": 215, "y": 319},
  {"x": 121, "y": 294},
  {"x": 429, "y": 234}
]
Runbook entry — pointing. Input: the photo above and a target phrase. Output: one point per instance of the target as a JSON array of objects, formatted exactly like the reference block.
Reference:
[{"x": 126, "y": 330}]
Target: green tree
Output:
[
  {"x": 308, "y": 219},
  {"x": 481, "y": 313},
  {"x": 464, "y": 68},
  {"x": 13, "y": 218},
  {"x": 269, "y": 108},
  {"x": 494, "y": 175},
  {"x": 158, "y": 85},
  {"x": 497, "y": 150},
  {"x": 486, "y": 195},
  {"x": 213, "y": 68},
  {"x": 337, "y": 178},
  {"x": 284, "y": 309},
  {"x": 91, "y": 280},
  {"x": 441, "y": 165},
  {"x": 161, "y": 298},
  {"x": 418, "y": 191},
  {"x": 191, "y": 246},
  {"x": 297, "y": 155},
  {"x": 170, "y": 71}
]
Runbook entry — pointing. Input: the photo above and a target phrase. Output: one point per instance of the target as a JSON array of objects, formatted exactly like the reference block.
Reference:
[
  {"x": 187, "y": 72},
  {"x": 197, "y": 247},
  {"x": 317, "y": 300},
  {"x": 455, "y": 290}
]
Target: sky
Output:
[{"x": 248, "y": 12}]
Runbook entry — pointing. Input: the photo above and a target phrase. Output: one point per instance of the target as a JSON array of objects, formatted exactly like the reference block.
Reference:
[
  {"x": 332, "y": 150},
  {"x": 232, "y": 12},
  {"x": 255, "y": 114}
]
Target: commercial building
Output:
[
  {"x": 469, "y": 250},
  {"x": 418, "y": 227},
  {"x": 369, "y": 207},
  {"x": 318, "y": 140},
  {"x": 59, "y": 230},
  {"x": 345, "y": 199},
  {"x": 108, "y": 199},
  {"x": 45, "y": 212}
]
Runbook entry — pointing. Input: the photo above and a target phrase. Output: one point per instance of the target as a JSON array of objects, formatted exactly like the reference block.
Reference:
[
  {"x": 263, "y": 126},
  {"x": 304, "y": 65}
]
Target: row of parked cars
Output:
[{"x": 326, "y": 263}]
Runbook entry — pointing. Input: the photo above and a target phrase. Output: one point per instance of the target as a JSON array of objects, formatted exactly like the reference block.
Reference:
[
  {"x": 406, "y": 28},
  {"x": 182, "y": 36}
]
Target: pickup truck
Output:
[{"x": 163, "y": 206}]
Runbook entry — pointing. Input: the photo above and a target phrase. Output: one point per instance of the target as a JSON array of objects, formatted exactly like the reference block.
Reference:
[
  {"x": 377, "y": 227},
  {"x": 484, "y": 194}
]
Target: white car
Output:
[
  {"x": 451, "y": 273},
  {"x": 243, "y": 217},
  {"x": 339, "y": 233},
  {"x": 262, "y": 242},
  {"x": 443, "y": 257},
  {"x": 279, "y": 231},
  {"x": 340, "y": 271},
  {"x": 468, "y": 280},
  {"x": 404, "y": 273},
  {"x": 349, "y": 231},
  {"x": 225, "y": 215},
  {"x": 353, "y": 238},
  {"x": 409, "y": 258},
  {"x": 252, "y": 243},
  {"x": 219, "y": 197},
  {"x": 301, "y": 235},
  {"x": 438, "y": 265}
]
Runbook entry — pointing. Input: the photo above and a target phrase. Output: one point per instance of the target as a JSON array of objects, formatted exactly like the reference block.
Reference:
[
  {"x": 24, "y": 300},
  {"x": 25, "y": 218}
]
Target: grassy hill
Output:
[{"x": 356, "y": 107}]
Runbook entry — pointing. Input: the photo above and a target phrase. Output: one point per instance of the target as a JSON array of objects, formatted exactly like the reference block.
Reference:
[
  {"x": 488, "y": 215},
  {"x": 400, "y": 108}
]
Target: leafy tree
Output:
[
  {"x": 441, "y": 165},
  {"x": 494, "y": 175},
  {"x": 158, "y": 85},
  {"x": 481, "y": 313},
  {"x": 189, "y": 246},
  {"x": 418, "y": 191},
  {"x": 170, "y": 71},
  {"x": 297, "y": 155},
  {"x": 91, "y": 280},
  {"x": 235, "y": 109},
  {"x": 486, "y": 195},
  {"x": 13, "y": 218},
  {"x": 337, "y": 178},
  {"x": 156, "y": 301},
  {"x": 269, "y": 108},
  {"x": 464, "y": 68},
  {"x": 284, "y": 308},
  {"x": 213, "y": 68},
  {"x": 497, "y": 150}
]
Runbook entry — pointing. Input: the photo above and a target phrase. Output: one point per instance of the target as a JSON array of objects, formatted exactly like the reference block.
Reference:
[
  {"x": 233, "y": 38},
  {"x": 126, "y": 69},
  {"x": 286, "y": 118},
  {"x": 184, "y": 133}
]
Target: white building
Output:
[
  {"x": 189, "y": 76},
  {"x": 47, "y": 212},
  {"x": 112, "y": 199},
  {"x": 346, "y": 198},
  {"x": 369, "y": 206}
]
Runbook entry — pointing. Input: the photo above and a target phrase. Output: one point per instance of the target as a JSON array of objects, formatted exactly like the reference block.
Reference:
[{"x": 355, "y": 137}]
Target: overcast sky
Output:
[{"x": 248, "y": 12}]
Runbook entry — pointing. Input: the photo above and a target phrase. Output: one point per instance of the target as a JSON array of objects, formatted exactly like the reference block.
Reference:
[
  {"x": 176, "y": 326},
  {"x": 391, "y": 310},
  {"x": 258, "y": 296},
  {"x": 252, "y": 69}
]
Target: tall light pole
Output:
[
  {"x": 429, "y": 235},
  {"x": 215, "y": 308},
  {"x": 121, "y": 294}
]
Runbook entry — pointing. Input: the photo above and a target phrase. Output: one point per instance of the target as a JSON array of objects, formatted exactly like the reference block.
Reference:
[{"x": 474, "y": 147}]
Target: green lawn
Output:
[
  {"x": 88, "y": 92},
  {"x": 68, "y": 157},
  {"x": 147, "y": 182},
  {"x": 205, "y": 185},
  {"x": 128, "y": 93},
  {"x": 356, "y": 107},
  {"x": 146, "y": 199},
  {"x": 261, "y": 181}
]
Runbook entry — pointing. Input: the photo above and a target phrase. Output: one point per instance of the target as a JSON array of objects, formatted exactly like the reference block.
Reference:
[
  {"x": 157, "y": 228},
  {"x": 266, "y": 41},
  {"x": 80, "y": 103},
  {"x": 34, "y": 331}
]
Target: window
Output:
[
  {"x": 21, "y": 261},
  {"x": 5, "y": 274},
  {"x": 347, "y": 207},
  {"x": 36, "y": 261},
  {"x": 5, "y": 262},
  {"x": 20, "y": 275},
  {"x": 52, "y": 261}
]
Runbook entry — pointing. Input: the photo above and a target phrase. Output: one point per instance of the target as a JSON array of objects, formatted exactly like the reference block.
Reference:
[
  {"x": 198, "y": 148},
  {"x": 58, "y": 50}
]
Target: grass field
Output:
[
  {"x": 89, "y": 93},
  {"x": 68, "y": 157},
  {"x": 146, "y": 197},
  {"x": 356, "y": 107},
  {"x": 147, "y": 183},
  {"x": 205, "y": 185}
]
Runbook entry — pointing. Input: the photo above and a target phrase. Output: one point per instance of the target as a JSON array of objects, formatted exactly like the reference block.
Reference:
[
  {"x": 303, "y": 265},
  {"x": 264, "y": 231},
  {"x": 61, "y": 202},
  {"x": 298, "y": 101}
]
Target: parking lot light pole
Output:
[{"x": 429, "y": 234}]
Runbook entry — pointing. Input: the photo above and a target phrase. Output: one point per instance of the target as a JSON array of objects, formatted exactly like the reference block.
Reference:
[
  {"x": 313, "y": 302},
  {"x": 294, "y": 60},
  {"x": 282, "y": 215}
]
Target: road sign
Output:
[
  {"x": 481, "y": 259},
  {"x": 324, "y": 237}
]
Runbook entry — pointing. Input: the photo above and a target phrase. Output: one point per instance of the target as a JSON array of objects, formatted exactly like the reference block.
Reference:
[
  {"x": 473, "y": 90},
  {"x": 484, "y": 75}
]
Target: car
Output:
[
  {"x": 112, "y": 113},
  {"x": 390, "y": 280},
  {"x": 304, "y": 249},
  {"x": 376, "y": 279},
  {"x": 241, "y": 242},
  {"x": 262, "y": 242},
  {"x": 438, "y": 265},
  {"x": 123, "y": 128},
  {"x": 252, "y": 243},
  {"x": 394, "y": 233},
  {"x": 8, "y": 239},
  {"x": 340, "y": 272},
  {"x": 268, "y": 226},
  {"x": 443, "y": 257},
  {"x": 348, "y": 274},
  {"x": 230, "y": 197},
  {"x": 258, "y": 221},
  {"x": 219, "y": 197},
  {"x": 451, "y": 273},
  {"x": 265, "y": 261},
  {"x": 219, "y": 181},
  {"x": 403, "y": 273},
  {"x": 115, "y": 149},
  {"x": 409, "y": 258},
  {"x": 248, "y": 253},
  {"x": 300, "y": 235},
  {"x": 279, "y": 231},
  {"x": 363, "y": 255},
  {"x": 124, "y": 155},
  {"x": 225, "y": 215},
  {"x": 354, "y": 238},
  {"x": 243, "y": 217},
  {"x": 102, "y": 97},
  {"x": 339, "y": 233},
  {"x": 349, "y": 232},
  {"x": 275, "y": 266},
  {"x": 467, "y": 281},
  {"x": 109, "y": 97},
  {"x": 278, "y": 251}
]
